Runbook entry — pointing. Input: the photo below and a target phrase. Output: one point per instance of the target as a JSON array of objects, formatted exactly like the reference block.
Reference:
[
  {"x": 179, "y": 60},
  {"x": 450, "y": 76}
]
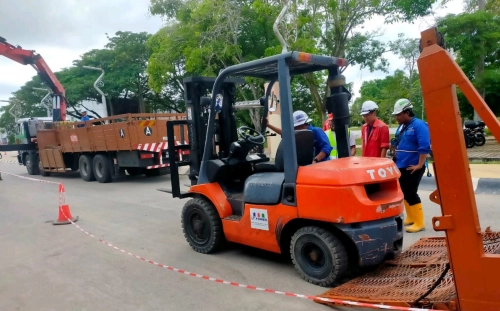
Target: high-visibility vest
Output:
[{"x": 333, "y": 142}]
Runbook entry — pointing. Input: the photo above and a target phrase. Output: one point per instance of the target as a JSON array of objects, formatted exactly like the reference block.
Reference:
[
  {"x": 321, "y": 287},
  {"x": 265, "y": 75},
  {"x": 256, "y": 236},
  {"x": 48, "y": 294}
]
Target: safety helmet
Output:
[
  {"x": 330, "y": 116},
  {"x": 300, "y": 117},
  {"x": 368, "y": 106},
  {"x": 401, "y": 105}
]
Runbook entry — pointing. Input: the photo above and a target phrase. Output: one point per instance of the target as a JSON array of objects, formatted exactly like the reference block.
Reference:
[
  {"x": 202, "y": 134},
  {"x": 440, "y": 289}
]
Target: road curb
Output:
[{"x": 481, "y": 185}]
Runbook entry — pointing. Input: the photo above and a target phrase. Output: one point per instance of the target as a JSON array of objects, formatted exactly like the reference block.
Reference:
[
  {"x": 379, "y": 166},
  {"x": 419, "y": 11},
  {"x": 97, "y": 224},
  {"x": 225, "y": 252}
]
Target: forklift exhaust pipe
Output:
[{"x": 338, "y": 104}]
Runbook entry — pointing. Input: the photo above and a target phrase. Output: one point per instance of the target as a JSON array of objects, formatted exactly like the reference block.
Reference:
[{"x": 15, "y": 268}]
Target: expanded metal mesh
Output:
[{"x": 403, "y": 280}]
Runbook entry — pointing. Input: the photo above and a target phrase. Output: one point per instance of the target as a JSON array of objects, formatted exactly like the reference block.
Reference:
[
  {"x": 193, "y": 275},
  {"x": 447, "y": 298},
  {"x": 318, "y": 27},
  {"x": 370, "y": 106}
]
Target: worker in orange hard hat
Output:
[{"x": 326, "y": 125}]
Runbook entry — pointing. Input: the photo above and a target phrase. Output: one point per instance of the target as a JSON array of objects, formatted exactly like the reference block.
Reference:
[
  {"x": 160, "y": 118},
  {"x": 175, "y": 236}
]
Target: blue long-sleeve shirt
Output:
[
  {"x": 321, "y": 142},
  {"x": 414, "y": 141}
]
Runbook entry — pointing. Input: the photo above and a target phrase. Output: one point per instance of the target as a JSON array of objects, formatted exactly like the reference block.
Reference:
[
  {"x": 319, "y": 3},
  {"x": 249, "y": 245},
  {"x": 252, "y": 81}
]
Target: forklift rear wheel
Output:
[
  {"x": 102, "y": 168},
  {"x": 202, "y": 226},
  {"x": 318, "y": 255},
  {"x": 85, "y": 167}
]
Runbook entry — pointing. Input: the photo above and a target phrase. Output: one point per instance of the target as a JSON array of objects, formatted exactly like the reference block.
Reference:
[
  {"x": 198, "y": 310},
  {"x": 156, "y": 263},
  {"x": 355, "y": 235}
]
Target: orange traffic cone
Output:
[{"x": 64, "y": 212}]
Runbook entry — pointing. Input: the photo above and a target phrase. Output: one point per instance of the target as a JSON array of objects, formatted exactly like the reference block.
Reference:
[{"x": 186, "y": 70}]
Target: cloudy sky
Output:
[{"x": 62, "y": 30}]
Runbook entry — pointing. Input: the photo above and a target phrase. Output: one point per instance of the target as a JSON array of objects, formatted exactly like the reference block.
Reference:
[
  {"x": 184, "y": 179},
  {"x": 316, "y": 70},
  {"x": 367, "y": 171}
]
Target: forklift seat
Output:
[{"x": 304, "y": 146}]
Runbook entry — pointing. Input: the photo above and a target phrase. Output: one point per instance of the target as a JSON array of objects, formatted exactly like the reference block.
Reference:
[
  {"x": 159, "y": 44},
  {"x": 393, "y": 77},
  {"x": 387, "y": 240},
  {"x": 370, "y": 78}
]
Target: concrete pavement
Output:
[{"x": 46, "y": 267}]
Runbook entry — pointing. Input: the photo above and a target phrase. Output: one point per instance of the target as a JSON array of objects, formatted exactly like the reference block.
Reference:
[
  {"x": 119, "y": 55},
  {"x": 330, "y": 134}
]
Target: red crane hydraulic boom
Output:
[{"x": 27, "y": 57}]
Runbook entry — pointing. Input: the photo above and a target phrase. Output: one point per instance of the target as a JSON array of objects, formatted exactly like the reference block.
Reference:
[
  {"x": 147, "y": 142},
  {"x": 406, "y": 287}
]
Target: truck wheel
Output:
[
  {"x": 31, "y": 165},
  {"x": 318, "y": 255},
  {"x": 85, "y": 167},
  {"x": 102, "y": 169},
  {"x": 202, "y": 226},
  {"x": 40, "y": 168}
]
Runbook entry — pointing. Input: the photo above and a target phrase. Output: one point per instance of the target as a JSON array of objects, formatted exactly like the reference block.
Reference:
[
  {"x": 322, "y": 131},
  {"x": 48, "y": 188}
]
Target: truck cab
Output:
[{"x": 25, "y": 131}]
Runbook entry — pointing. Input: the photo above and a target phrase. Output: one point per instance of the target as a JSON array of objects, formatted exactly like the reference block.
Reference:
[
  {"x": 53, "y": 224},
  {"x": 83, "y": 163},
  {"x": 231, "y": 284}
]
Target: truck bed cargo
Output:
[
  {"x": 117, "y": 133},
  {"x": 101, "y": 148}
]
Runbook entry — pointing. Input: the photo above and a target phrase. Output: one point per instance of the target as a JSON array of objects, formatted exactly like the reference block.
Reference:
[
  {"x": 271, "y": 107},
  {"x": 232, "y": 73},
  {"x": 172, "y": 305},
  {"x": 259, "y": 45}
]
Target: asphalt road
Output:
[{"x": 46, "y": 267}]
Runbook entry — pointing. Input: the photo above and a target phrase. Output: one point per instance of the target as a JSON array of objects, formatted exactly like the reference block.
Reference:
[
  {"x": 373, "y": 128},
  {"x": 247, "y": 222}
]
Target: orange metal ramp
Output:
[{"x": 401, "y": 281}]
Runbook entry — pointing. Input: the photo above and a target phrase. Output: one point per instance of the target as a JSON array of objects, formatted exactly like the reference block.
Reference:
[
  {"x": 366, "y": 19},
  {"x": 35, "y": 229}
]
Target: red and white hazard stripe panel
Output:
[
  {"x": 183, "y": 152},
  {"x": 156, "y": 166},
  {"x": 157, "y": 147},
  {"x": 153, "y": 147}
]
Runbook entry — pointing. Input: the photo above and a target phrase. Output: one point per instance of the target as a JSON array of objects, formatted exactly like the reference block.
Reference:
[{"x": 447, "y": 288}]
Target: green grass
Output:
[{"x": 483, "y": 162}]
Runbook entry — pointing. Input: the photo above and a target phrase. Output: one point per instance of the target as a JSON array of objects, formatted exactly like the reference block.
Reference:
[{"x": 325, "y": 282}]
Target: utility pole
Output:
[{"x": 481, "y": 6}]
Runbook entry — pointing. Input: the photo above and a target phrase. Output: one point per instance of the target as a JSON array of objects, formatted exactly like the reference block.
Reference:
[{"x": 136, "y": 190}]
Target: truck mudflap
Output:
[{"x": 419, "y": 277}]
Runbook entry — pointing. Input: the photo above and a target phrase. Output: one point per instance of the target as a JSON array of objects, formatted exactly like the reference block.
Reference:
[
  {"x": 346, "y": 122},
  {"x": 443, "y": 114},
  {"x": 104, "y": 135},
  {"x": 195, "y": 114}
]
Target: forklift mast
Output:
[
  {"x": 212, "y": 126},
  {"x": 281, "y": 68},
  {"x": 197, "y": 99}
]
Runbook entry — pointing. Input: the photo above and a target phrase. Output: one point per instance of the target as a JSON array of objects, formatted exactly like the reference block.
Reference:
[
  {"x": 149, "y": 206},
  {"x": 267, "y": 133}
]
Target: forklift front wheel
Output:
[
  {"x": 202, "y": 226},
  {"x": 318, "y": 255}
]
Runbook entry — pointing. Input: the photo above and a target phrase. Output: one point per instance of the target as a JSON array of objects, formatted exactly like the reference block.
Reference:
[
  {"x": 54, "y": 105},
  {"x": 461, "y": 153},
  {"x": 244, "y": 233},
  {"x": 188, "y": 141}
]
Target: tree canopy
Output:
[
  {"x": 202, "y": 37},
  {"x": 470, "y": 36}
]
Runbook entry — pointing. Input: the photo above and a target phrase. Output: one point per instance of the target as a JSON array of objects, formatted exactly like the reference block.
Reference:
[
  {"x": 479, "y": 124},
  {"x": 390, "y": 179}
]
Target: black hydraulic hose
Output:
[{"x": 433, "y": 287}]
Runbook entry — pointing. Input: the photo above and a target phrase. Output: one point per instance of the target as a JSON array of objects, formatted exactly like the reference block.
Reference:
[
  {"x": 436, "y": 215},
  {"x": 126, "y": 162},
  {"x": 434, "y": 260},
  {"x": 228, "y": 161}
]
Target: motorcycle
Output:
[
  {"x": 475, "y": 132},
  {"x": 469, "y": 143}
]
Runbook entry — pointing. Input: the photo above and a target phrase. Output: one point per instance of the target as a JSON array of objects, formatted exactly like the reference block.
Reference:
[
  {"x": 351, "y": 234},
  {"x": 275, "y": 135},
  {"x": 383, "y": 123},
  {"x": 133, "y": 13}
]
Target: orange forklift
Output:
[
  {"x": 329, "y": 216},
  {"x": 461, "y": 270}
]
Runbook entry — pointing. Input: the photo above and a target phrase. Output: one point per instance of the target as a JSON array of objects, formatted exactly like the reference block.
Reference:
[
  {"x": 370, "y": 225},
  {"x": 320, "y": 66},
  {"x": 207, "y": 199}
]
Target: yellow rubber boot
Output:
[
  {"x": 409, "y": 215},
  {"x": 418, "y": 216}
]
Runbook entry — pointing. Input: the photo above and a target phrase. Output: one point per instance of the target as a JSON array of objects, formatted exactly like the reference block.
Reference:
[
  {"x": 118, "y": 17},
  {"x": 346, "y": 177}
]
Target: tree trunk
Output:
[
  {"x": 142, "y": 106},
  {"x": 255, "y": 113},
  {"x": 318, "y": 101},
  {"x": 256, "y": 118}
]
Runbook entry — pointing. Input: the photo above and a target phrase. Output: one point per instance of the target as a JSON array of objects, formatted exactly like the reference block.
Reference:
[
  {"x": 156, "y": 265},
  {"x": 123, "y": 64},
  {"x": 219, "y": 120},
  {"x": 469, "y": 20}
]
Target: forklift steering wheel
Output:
[{"x": 251, "y": 136}]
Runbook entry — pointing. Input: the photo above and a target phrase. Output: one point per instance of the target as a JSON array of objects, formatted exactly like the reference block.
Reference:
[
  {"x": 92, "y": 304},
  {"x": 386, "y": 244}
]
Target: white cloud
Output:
[{"x": 63, "y": 30}]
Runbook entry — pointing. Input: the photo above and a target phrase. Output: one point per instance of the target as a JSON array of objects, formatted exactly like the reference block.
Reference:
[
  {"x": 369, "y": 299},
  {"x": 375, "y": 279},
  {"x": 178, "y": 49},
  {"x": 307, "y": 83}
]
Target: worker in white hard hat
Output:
[
  {"x": 412, "y": 144},
  {"x": 374, "y": 133},
  {"x": 301, "y": 121}
]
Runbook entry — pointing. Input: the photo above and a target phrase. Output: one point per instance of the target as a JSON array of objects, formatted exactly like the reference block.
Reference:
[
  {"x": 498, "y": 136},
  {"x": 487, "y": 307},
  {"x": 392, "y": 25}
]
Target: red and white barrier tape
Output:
[
  {"x": 29, "y": 178},
  {"x": 9, "y": 161},
  {"x": 207, "y": 278}
]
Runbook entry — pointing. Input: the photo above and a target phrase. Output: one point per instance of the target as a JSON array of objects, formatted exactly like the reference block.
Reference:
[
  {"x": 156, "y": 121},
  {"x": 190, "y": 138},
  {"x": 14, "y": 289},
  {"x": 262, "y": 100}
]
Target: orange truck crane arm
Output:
[{"x": 27, "y": 57}]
